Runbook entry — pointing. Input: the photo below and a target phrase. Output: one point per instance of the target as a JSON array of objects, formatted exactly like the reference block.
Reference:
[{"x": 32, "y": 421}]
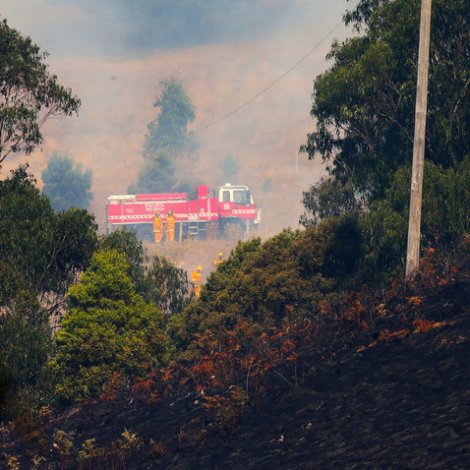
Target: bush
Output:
[
  {"x": 40, "y": 251},
  {"x": 66, "y": 184},
  {"x": 168, "y": 286},
  {"x": 26, "y": 346},
  {"x": 126, "y": 242},
  {"x": 268, "y": 283},
  {"x": 110, "y": 330},
  {"x": 445, "y": 219}
]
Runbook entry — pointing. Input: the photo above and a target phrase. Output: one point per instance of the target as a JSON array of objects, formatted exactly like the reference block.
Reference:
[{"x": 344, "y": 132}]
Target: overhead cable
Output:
[{"x": 264, "y": 90}]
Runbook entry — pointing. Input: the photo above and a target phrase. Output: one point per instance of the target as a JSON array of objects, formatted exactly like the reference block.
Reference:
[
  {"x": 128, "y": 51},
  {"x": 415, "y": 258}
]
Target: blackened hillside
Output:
[{"x": 395, "y": 395}]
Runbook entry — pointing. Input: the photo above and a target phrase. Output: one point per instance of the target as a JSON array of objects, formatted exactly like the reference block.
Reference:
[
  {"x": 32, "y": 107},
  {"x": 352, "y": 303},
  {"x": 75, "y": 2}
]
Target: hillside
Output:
[{"x": 393, "y": 394}]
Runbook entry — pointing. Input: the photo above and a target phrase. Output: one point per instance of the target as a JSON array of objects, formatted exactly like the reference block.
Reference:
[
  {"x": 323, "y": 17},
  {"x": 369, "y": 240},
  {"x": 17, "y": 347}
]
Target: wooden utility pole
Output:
[{"x": 414, "y": 226}]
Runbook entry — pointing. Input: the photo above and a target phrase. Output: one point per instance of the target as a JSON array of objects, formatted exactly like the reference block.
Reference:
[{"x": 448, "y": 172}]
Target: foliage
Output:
[
  {"x": 26, "y": 348},
  {"x": 267, "y": 184},
  {"x": 110, "y": 329},
  {"x": 364, "y": 111},
  {"x": 362, "y": 13},
  {"x": 66, "y": 184},
  {"x": 329, "y": 198},
  {"x": 157, "y": 176},
  {"x": 187, "y": 324},
  {"x": 344, "y": 250},
  {"x": 29, "y": 93},
  {"x": 168, "y": 144},
  {"x": 75, "y": 241},
  {"x": 242, "y": 356},
  {"x": 385, "y": 232},
  {"x": 160, "y": 283},
  {"x": 168, "y": 286},
  {"x": 40, "y": 251},
  {"x": 364, "y": 104},
  {"x": 371, "y": 244},
  {"x": 169, "y": 129},
  {"x": 446, "y": 198},
  {"x": 230, "y": 167},
  {"x": 445, "y": 217},
  {"x": 127, "y": 243},
  {"x": 264, "y": 283},
  {"x": 22, "y": 263}
]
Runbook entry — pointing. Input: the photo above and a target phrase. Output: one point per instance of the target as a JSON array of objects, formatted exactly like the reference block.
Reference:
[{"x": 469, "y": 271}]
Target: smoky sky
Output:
[
  {"x": 114, "y": 54},
  {"x": 114, "y": 26}
]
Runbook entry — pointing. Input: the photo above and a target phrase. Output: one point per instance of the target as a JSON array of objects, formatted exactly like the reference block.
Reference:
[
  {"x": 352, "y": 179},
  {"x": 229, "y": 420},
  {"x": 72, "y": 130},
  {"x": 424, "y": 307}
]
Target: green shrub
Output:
[
  {"x": 26, "y": 347},
  {"x": 110, "y": 329}
]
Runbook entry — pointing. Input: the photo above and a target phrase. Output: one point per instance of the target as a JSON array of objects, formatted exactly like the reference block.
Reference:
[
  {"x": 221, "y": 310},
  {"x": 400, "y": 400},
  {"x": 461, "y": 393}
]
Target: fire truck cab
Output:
[{"x": 237, "y": 194}]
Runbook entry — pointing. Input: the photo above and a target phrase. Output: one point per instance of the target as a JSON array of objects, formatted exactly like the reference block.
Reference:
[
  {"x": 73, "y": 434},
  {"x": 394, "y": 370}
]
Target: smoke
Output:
[
  {"x": 122, "y": 26},
  {"x": 114, "y": 53}
]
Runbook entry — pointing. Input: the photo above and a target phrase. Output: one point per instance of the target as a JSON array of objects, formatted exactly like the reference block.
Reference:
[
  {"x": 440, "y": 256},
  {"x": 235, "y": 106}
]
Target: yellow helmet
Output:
[
  {"x": 198, "y": 268},
  {"x": 220, "y": 254}
]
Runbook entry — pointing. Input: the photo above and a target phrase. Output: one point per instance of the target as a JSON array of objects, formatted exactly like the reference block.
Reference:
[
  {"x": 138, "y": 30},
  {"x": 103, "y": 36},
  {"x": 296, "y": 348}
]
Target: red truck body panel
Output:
[{"x": 140, "y": 208}]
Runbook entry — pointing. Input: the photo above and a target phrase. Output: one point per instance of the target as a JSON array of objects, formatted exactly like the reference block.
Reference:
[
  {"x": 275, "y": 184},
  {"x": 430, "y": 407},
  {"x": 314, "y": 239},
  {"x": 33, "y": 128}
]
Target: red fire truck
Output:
[{"x": 228, "y": 210}]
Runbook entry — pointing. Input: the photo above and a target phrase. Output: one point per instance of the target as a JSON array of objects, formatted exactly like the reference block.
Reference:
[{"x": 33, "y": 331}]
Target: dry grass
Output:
[{"x": 190, "y": 253}]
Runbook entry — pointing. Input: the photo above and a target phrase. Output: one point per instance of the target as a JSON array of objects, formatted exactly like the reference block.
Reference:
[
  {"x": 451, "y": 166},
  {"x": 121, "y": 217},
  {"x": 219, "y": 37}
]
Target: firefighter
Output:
[
  {"x": 170, "y": 226},
  {"x": 157, "y": 227},
  {"x": 218, "y": 259},
  {"x": 196, "y": 279}
]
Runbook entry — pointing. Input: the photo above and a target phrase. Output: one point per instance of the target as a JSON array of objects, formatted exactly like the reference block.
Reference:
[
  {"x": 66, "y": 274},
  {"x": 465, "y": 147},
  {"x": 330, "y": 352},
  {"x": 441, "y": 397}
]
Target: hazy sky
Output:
[
  {"x": 115, "y": 53},
  {"x": 117, "y": 27}
]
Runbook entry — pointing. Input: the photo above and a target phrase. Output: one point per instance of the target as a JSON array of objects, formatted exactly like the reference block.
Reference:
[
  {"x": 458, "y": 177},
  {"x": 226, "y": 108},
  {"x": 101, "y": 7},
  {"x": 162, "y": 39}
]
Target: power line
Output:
[{"x": 264, "y": 90}]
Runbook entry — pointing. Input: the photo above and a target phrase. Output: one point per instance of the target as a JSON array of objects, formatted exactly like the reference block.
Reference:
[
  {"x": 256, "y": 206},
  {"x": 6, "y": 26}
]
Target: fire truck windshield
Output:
[{"x": 242, "y": 197}]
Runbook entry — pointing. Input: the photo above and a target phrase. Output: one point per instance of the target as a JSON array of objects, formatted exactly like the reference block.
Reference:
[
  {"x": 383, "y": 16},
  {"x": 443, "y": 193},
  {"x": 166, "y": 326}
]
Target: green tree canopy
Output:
[
  {"x": 40, "y": 251},
  {"x": 445, "y": 218},
  {"x": 66, "y": 184},
  {"x": 41, "y": 254},
  {"x": 265, "y": 283},
  {"x": 329, "y": 197},
  {"x": 364, "y": 104},
  {"x": 168, "y": 286},
  {"x": 29, "y": 94},
  {"x": 168, "y": 142},
  {"x": 169, "y": 129},
  {"x": 229, "y": 167},
  {"x": 159, "y": 282},
  {"x": 156, "y": 176},
  {"x": 26, "y": 346},
  {"x": 110, "y": 329},
  {"x": 364, "y": 107},
  {"x": 126, "y": 242}
]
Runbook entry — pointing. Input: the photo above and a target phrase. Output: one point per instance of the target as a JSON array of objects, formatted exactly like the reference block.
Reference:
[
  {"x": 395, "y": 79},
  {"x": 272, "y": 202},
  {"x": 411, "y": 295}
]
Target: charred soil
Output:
[{"x": 390, "y": 394}]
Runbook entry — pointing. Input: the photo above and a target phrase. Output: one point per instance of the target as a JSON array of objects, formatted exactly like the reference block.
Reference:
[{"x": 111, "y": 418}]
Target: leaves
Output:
[
  {"x": 168, "y": 286},
  {"x": 364, "y": 104},
  {"x": 40, "y": 250},
  {"x": 268, "y": 283},
  {"x": 110, "y": 328},
  {"x": 168, "y": 145},
  {"x": 66, "y": 184},
  {"x": 29, "y": 94}
]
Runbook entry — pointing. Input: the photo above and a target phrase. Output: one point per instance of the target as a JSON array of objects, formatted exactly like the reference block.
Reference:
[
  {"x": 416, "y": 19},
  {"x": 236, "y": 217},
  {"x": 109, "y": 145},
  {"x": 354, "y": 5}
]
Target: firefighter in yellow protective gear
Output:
[
  {"x": 196, "y": 279},
  {"x": 218, "y": 259},
  {"x": 157, "y": 227},
  {"x": 170, "y": 226}
]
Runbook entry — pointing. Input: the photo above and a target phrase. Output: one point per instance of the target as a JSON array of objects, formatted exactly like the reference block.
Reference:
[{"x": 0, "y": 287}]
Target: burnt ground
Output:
[{"x": 400, "y": 403}]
